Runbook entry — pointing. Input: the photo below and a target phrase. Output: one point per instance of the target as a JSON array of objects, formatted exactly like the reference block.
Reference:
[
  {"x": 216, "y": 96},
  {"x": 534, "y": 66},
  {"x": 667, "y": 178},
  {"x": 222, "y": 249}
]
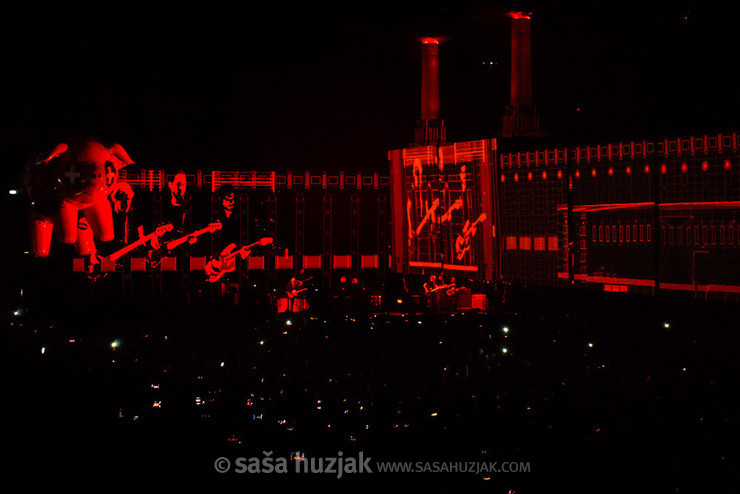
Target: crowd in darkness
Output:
[{"x": 608, "y": 392}]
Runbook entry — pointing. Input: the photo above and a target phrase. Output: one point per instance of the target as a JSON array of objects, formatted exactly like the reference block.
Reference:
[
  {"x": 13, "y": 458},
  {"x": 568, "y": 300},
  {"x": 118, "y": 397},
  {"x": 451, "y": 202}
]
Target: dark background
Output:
[{"x": 311, "y": 85}]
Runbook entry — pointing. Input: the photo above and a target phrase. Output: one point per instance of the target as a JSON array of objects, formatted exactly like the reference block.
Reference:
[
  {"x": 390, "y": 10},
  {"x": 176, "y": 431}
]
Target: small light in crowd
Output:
[
  {"x": 434, "y": 414},
  {"x": 222, "y": 364},
  {"x": 590, "y": 345},
  {"x": 12, "y": 192},
  {"x": 43, "y": 350},
  {"x": 262, "y": 342},
  {"x": 666, "y": 325},
  {"x": 504, "y": 350},
  {"x": 400, "y": 301},
  {"x": 288, "y": 322},
  {"x": 115, "y": 344},
  {"x": 505, "y": 329}
]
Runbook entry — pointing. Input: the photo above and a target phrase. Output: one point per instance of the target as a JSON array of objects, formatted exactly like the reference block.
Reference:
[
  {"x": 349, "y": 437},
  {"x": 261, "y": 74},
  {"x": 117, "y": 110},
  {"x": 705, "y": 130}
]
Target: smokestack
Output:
[
  {"x": 521, "y": 59},
  {"x": 430, "y": 128},
  {"x": 430, "y": 78},
  {"x": 521, "y": 118}
]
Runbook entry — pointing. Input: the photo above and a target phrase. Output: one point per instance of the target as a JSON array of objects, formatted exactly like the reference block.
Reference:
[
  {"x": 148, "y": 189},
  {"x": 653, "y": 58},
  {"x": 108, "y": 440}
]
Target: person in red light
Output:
[
  {"x": 178, "y": 186},
  {"x": 293, "y": 290},
  {"x": 429, "y": 291},
  {"x": 227, "y": 200}
]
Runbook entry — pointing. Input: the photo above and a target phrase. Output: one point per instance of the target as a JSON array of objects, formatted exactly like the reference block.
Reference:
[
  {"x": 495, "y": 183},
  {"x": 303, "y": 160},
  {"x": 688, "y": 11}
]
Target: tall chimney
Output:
[
  {"x": 430, "y": 128},
  {"x": 521, "y": 118},
  {"x": 430, "y": 78},
  {"x": 521, "y": 60}
]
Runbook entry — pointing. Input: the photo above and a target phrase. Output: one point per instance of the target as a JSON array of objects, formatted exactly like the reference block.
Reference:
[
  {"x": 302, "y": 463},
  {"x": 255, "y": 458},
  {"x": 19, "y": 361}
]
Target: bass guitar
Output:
[
  {"x": 462, "y": 243},
  {"x": 216, "y": 268}
]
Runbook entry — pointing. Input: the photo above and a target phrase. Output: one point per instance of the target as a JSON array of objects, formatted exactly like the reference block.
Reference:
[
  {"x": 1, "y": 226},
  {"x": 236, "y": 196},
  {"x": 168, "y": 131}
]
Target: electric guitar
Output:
[
  {"x": 216, "y": 268},
  {"x": 440, "y": 287},
  {"x": 293, "y": 293},
  {"x": 462, "y": 244},
  {"x": 154, "y": 257}
]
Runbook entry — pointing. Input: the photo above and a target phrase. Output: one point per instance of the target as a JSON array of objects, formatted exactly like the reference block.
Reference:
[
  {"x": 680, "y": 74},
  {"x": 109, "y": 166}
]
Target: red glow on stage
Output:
[
  {"x": 704, "y": 165},
  {"x": 430, "y": 41},
  {"x": 684, "y": 167},
  {"x": 728, "y": 165},
  {"x": 520, "y": 15}
]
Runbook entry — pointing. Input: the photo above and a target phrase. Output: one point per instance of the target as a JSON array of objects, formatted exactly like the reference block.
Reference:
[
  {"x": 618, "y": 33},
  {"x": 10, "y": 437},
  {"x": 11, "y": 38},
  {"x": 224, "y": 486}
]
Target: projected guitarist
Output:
[
  {"x": 462, "y": 243},
  {"x": 226, "y": 262},
  {"x": 152, "y": 239}
]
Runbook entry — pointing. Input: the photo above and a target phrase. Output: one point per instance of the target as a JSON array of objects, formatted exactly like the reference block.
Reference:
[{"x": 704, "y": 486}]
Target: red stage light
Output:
[{"x": 520, "y": 15}]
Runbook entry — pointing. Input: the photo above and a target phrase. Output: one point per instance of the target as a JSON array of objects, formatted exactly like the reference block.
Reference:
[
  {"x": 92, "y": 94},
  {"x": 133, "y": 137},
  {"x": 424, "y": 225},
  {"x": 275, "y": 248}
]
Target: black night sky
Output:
[{"x": 316, "y": 86}]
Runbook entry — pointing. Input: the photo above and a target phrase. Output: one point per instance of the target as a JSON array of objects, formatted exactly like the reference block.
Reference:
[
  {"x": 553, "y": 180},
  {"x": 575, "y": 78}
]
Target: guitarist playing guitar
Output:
[
  {"x": 292, "y": 290},
  {"x": 93, "y": 269}
]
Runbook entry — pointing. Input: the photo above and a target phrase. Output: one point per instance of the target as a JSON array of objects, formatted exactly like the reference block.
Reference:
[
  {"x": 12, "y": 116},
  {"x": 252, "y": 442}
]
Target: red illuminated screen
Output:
[{"x": 443, "y": 208}]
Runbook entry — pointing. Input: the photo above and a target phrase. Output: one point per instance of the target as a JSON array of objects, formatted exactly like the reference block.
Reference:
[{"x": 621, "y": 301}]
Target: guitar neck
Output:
[
  {"x": 179, "y": 241},
  {"x": 120, "y": 253}
]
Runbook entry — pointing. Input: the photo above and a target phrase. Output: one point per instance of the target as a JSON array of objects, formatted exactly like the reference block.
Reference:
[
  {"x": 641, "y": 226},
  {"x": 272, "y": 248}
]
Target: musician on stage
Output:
[
  {"x": 292, "y": 291},
  {"x": 431, "y": 294}
]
